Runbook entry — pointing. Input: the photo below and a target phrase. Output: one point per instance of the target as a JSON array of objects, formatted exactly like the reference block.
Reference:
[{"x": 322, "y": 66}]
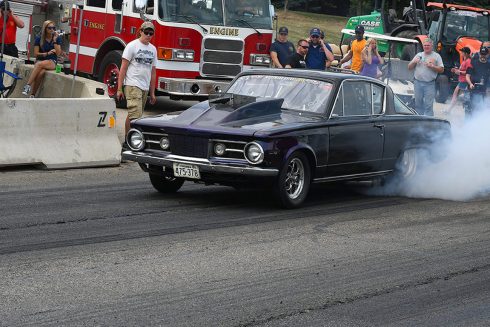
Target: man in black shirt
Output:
[
  {"x": 297, "y": 60},
  {"x": 477, "y": 76}
]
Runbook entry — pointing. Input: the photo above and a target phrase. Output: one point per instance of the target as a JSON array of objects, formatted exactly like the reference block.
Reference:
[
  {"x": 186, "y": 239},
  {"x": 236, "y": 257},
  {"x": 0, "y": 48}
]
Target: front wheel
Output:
[
  {"x": 165, "y": 184},
  {"x": 293, "y": 182},
  {"x": 109, "y": 71}
]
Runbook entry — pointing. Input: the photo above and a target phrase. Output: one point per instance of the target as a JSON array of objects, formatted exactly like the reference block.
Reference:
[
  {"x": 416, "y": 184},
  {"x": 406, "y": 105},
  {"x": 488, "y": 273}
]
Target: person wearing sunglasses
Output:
[
  {"x": 47, "y": 48},
  {"x": 12, "y": 23},
  {"x": 298, "y": 60},
  {"x": 320, "y": 54},
  {"x": 281, "y": 49},
  {"x": 138, "y": 73}
]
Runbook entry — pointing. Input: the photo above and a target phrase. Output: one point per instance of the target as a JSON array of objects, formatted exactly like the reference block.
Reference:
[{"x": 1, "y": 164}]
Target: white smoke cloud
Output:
[{"x": 464, "y": 171}]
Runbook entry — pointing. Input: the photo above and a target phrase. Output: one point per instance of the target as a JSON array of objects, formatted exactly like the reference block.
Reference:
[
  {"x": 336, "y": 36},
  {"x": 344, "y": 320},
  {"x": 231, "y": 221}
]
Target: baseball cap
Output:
[
  {"x": 283, "y": 30},
  {"x": 315, "y": 31},
  {"x": 359, "y": 29},
  {"x": 147, "y": 25},
  {"x": 466, "y": 50},
  {"x": 484, "y": 51}
]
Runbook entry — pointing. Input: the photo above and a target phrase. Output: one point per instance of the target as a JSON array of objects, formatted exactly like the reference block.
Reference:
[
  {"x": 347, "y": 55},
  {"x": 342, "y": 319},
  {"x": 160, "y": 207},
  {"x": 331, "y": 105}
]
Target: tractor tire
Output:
[
  {"x": 442, "y": 89},
  {"x": 109, "y": 71},
  {"x": 409, "y": 50}
]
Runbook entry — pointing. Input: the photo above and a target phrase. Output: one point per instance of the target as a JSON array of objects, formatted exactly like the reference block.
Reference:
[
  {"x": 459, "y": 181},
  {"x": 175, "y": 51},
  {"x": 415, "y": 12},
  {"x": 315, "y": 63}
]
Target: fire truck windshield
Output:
[
  {"x": 466, "y": 23},
  {"x": 255, "y": 13}
]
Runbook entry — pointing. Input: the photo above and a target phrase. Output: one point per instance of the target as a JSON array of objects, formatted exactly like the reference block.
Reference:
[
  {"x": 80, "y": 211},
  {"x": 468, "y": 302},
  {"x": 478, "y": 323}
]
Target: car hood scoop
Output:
[{"x": 254, "y": 110}]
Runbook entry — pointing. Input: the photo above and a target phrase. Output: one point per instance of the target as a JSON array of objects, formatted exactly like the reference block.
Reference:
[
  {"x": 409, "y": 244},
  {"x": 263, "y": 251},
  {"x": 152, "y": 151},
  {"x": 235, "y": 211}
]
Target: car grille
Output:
[
  {"x": 189, "y": 146},
  {"x": 222, "y": 58}
]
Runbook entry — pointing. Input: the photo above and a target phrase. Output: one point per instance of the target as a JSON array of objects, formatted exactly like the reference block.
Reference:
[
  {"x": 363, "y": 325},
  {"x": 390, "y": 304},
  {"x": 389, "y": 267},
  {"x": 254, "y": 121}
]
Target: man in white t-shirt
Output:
[
  {"x": 138, "y": 73},
  {"x": 427, "y": 64}
]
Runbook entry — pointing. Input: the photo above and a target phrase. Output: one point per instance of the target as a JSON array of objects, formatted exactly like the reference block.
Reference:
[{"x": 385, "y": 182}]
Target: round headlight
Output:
[
  {"x": 164, "y": 143},
  {"x": 254, "y": 153},
  {"x": 219, "y": 149},
  {"x": 136, "y": 140}
]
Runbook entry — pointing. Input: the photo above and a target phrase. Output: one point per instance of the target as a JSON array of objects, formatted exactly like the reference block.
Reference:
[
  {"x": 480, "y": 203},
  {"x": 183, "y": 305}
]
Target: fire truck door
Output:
[
  {"x": 94, "y": 23},
  {"x": 117, "y": 7}
]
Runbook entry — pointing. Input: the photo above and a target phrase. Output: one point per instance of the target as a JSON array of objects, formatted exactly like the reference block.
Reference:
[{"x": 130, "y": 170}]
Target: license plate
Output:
[{"x": 186, "y": 171}]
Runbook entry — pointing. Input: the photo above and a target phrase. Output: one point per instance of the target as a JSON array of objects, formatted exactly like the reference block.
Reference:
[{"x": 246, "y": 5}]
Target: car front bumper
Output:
[{"x": 205, "y": 165}]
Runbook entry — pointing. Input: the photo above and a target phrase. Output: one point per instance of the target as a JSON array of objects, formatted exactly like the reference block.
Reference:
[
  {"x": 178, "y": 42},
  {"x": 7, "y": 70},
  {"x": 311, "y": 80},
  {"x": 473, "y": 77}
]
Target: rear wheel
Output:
[
  {"x": 408, "y": 162},
  {"x": 165, "y": 184},
  {"x": 109, "y": 71},
  {"x": 293, "y": 182}
]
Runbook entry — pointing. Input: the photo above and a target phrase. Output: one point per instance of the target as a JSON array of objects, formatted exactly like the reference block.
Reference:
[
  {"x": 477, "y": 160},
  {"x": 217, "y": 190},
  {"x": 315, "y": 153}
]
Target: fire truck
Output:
[{"x": 201, "y": 44}]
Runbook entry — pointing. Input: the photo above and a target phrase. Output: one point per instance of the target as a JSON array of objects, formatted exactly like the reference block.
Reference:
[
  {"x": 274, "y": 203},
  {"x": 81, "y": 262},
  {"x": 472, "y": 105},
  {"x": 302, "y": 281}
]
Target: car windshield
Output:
[
  {"x": 236, "y": 13},
  {"x": 466, "y": 23},
  {"x": 298, "y": 93}
]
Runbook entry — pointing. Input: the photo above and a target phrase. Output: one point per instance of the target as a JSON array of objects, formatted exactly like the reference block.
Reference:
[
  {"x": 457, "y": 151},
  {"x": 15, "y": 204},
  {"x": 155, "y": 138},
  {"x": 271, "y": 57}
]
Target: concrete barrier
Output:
[
  {"x": 59, "y": 128},
  {"x": 58, "y": 133}
]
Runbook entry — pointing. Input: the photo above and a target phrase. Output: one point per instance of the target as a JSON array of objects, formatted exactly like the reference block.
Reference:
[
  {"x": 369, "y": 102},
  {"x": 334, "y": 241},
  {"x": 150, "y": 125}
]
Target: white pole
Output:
[{"x": 76, "y": 53}]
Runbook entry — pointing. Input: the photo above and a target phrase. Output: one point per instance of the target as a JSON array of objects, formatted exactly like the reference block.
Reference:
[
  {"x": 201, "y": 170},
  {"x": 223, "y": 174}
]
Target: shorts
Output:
[
  {"x": 463, "y": 86},
  {"x": 136, "y": 101}
]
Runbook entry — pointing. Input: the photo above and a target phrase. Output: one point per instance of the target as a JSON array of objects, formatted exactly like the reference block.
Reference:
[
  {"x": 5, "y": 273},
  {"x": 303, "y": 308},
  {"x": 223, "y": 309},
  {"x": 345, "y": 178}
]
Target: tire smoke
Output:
[{"x": 462, "y": 172}]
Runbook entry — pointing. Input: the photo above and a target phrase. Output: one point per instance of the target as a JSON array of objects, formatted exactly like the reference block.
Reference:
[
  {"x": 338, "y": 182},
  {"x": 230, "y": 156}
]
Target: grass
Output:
[{"x": 300, "y": 24}]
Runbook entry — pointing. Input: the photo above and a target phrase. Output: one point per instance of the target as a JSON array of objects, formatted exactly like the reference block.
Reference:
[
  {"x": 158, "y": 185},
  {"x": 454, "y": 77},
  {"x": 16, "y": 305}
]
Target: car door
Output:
[{"x": 357, "y": 130}]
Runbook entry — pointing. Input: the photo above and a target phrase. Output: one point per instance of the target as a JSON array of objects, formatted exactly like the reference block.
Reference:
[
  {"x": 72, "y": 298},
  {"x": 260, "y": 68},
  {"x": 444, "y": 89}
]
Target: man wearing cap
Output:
[
  {"x": 319, "y": 53},
  {"x": 355, "y": 50},
  {"x": 281, "y": 49},
  {"x": 477, "y": 76},
  {"x": 427, "y": 64},
  {"x": 13, "y": 22},
  {"x": 138, "y": 73}
]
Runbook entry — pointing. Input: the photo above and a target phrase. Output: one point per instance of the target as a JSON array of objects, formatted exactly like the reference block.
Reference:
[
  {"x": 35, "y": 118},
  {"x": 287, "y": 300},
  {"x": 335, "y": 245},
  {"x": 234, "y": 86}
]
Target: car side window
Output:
[
  {"x": 357, "y": 98},
  {"x": 401, "y": 108},
  {"x": 378, "y": 92},
  {"x": 338, "y": 109}
]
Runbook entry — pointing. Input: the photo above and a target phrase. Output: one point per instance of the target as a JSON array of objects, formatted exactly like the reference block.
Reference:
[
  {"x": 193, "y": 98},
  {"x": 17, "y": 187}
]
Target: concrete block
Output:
[{"x": 59, "y": 133}]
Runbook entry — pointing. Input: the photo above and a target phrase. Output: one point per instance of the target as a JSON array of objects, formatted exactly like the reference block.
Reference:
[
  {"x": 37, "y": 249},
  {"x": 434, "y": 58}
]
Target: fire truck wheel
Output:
[{"x": 109, "y": 71}]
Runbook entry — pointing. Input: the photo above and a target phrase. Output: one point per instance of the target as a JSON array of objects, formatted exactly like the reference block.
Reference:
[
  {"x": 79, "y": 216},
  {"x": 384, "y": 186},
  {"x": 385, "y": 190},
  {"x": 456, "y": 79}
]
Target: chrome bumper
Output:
[
  {"x": 190, "y": 87},
  {"x": 204, "y": 164}
]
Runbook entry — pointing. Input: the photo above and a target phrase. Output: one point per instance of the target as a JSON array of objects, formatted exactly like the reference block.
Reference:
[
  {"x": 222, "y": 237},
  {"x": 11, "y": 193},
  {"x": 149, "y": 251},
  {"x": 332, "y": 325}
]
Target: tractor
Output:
[{"x": 450, "y": 26}]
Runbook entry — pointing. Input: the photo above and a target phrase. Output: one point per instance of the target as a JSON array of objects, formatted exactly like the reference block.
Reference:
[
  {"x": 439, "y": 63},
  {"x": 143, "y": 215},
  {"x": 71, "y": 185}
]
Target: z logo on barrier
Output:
[{"x": 103, "y": 115}]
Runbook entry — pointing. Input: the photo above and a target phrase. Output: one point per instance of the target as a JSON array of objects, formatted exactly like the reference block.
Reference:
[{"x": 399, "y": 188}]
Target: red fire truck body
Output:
[{"x": 196, "y": 53}]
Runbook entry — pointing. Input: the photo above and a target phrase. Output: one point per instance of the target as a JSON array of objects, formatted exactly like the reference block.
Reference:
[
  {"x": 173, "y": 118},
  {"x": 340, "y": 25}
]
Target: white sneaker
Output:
[{"x": 26, "y": 90}]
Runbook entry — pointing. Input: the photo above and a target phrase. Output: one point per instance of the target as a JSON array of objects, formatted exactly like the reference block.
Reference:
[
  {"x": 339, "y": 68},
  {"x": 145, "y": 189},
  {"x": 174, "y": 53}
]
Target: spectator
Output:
[
  {"x": 47, "y": 48},
  {"x": 461, "y": 73},
  {"x": 477, "y": 76},
  {"x": 319, "y": 53},
  {"x": 298, "y": 60},
  {"x": 355, "y": 50},
  {"x": 12, "y": 23},
  {"x": 138, "y": 73},
  {"x": 427, "y": 65},
  {"x": 371, "y": 59},
  {"x": 281, "y": 49}
]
